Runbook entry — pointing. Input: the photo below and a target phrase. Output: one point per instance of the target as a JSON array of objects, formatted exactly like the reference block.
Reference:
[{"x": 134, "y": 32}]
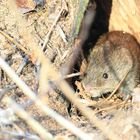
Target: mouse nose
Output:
[
  {"x": 87, "y": 86},
  {"x": 93, "y": 91}
]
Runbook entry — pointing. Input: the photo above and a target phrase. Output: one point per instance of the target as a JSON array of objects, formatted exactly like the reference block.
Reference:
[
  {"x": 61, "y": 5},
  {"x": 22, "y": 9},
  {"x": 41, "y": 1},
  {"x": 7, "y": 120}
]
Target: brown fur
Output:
[{"x": 115, "y": 53}]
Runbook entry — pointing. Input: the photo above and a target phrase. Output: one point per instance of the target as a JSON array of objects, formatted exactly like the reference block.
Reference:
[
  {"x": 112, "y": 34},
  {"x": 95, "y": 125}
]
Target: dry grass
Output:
[{"x": 33, "y": 48}]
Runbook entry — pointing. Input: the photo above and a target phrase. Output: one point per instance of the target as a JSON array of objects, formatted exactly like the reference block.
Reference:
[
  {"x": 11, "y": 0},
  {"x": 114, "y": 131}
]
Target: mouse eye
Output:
[{"x": 105, "y": 75}]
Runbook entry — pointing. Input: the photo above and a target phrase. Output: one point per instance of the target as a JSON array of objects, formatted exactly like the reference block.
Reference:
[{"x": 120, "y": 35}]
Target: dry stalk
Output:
[
  {"x": 126, "y": 100},
  {"x": 14, "y": 42},
  {"x": 72, "y": 75},
  {"x": 30, "y": 121},
  {"x": 44, "y": 84},
  {"x": 28, "y": 92},
  {"x": 47, "y": 37},
  {"x": 109, "y": 108},
  {"x": 55, "y": 76},
  {"x": 122, "y": 104},
  {"x": 5, "y": 90},
  {"x": 62, "y": 34},
  {"x": 118, "y": 86},
  {"x": 17, "y": 136}
]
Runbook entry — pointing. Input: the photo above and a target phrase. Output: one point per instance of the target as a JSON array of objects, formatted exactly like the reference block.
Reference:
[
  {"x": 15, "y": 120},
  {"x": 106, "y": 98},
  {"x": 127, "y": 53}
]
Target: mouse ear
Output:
[
  {"x": 121, "y": 59},
  {"x": 108, "y": 46},
  {"x": 111, "y": 46}
]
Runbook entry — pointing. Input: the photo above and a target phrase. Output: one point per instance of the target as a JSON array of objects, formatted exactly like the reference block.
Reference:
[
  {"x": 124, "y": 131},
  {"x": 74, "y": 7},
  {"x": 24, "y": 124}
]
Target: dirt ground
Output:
[{"x": 120, "y": 116}]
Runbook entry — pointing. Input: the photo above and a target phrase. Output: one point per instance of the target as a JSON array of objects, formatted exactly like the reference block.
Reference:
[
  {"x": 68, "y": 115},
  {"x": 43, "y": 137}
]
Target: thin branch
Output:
[
  {"x": 5, "y": 90},
  {"x": 118, "y": 86},
  {"x": 14, "y": 42},
  {"x": 33, "y": 123},
  {"x": 47, "y": 37},
  {"x": 72, "y": 75},
  {"x": 27, "y": 91},
  {"x": 55, "y": 76},
  {"x": 17, "y": 135}
]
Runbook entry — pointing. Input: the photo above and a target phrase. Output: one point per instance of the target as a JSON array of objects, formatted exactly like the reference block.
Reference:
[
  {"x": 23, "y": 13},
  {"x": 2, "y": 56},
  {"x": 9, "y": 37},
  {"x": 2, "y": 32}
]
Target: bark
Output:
[{"x": 125, "y": 16}]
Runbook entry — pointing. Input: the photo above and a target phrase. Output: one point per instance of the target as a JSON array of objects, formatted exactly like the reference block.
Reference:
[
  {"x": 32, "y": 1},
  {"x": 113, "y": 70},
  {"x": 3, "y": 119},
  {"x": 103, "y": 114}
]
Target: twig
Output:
[
  {"x": 33, "y": 123},
  {"x": 18, "y": 135},
  {"x": 5, "y": 90},
  {"x": 118, "y": 86},
  {"x": 14, "y": 42},
  {"x": 12, "y": 86},
  {"x": 114, "y": 106},
  {"x": 69, "y": 93},
  {"x": 7, "y": 117},
  {"x": 47, "y": 37},
  {"x": 62, "y": 34},
  {"x": 110, "y": 107},
  {"x": 85, "y": 110},
  {"x": 40, "y": 104},
  {"x": 72, "y": 75},
  {"x": 126, "y": 100},
  {"x": 22, "y": 65}
]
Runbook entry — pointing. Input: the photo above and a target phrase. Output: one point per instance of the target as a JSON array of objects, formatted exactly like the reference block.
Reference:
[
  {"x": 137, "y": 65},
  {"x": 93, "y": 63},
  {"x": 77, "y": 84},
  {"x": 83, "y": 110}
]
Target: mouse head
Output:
[{"x": 108, "y": 64}]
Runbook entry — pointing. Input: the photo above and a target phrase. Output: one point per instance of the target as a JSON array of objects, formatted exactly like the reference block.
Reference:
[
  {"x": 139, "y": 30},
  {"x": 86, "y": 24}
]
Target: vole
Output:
[{"x": 115, "y": 54}]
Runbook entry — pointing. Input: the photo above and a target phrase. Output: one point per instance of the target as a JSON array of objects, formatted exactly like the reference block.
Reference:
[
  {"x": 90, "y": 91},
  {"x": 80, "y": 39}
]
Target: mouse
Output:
[{"x": 115, "y": 55}]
